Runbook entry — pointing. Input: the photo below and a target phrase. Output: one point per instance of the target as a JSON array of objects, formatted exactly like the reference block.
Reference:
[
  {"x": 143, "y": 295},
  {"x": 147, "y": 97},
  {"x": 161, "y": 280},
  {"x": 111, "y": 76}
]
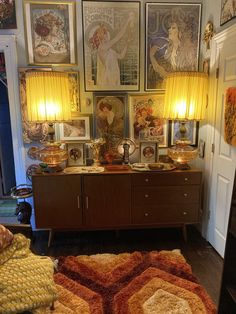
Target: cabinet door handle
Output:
[
  {"x": 146, "y": 180},
  {"x": 87, "y": 202},
  {"x": 146, "y": 195},
  {"x": 185, "y": 194},
  {"x": 78, "y": 201},
  {"x": 146, "y": 214},
  {"x": 186, "y": 179},
  {"x": 184, "y": 213}
]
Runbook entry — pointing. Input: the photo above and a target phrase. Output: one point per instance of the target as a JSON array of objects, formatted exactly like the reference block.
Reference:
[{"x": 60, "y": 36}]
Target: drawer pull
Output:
[
  {"x": 185, "y": 194},
  {"x": 146, "y": 195},
  {"x": 146, "y": 180},
  {"x": 78, "y": 201},
  {"x": 184, "y": 213},
  {"x": 146, "y": 214},
  {"x": 185, "y": 179}
]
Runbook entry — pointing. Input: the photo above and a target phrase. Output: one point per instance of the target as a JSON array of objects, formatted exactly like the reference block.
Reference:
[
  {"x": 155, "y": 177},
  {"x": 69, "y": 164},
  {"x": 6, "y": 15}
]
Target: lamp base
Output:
[
  {"x": 182, "y": 153},
  {"x": 52, "y": 155}
]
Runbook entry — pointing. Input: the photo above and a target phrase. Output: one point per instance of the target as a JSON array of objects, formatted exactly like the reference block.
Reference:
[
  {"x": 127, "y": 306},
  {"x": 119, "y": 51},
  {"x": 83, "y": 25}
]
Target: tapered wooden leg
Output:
[
  {"x": 184, "y": 229},
  {"x": 50, "y": 237}
]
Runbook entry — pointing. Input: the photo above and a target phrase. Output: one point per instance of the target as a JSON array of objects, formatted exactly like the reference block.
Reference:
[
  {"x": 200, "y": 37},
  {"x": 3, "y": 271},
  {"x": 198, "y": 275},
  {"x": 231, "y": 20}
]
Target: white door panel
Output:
[{"x": 224, "y": 158}]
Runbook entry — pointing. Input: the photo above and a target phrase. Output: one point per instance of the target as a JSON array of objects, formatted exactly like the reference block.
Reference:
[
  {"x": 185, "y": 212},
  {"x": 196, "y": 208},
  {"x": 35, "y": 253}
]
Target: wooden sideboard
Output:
[{"x": 117, "y": 200}]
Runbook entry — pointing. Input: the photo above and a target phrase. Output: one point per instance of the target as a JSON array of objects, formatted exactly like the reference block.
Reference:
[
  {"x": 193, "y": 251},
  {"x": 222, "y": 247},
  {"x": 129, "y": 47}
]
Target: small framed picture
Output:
[
  {"x": 191, "y": 133},
  {"x": 77, "y": 130},
  {"x": 76, "y": 154},
  {"x": 201, "y": 149},
  {"x": 148, "y": 151},
  {"x": 7, "y": 14},
  {"x": 228, "y": 11}
]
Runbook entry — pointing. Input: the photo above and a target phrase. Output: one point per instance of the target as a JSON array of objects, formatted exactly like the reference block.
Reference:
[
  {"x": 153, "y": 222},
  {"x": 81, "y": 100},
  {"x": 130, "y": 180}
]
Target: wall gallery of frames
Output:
[{"x": 121, "y": 103}]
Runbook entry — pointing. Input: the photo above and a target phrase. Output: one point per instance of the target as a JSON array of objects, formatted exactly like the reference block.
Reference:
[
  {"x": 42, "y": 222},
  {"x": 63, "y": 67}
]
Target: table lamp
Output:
[
  {"x": 185, "y": 100},
  {"x": 48, "y": 100}
]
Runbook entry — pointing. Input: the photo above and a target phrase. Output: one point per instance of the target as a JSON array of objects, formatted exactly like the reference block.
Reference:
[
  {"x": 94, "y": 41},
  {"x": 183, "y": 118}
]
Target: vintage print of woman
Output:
[
  {"x": 111, "y": 45},
  {"x": 110, "y": 118},
  {"x": 172, "y": 40},
  {"x": 145, "y": 113},
  {"x": 51, "y": 38}
]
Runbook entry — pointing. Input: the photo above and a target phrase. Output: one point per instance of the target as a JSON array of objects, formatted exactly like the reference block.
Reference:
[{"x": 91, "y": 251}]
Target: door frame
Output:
[
  {"x": 217, "y": 44},
  {"x": 8, "y": 46}
]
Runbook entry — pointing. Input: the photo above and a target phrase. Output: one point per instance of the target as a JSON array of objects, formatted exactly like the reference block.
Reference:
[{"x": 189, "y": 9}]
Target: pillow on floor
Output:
[{"x": 6, "y": 237}]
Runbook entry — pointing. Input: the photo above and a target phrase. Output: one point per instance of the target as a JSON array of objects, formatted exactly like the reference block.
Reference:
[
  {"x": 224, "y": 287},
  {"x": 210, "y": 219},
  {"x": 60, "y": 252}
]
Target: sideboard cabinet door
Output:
[
  {"x": 57, "y": 201},
  {"x": 107, "y": 200}
]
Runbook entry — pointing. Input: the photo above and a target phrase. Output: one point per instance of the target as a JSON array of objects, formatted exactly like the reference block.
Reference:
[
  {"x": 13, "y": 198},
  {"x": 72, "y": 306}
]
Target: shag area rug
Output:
[{"x": 129, "y": 283}]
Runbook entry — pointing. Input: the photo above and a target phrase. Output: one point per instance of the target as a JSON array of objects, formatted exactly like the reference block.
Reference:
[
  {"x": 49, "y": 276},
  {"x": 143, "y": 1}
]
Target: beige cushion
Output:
[{"x": 6, "y": 237}]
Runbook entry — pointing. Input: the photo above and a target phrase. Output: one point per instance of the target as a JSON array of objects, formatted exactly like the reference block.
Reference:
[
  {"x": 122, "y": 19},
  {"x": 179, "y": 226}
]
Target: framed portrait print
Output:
[
  {"x": 76, "y": 154},
  {"x": 110, "y": 118},
  {"x": 191, "y": 134},
  {"x": 77, "y": 130},
  {"x": 172, "y": 40},
  {"x": 111, "y": 35},
  {"x": 50, "y": 32},
  {"x": 145, "y": 113},
  {"x": 228, "y": 11},
  {"x": 148, "y": 152},
  {"x": 7, "y": 14}
]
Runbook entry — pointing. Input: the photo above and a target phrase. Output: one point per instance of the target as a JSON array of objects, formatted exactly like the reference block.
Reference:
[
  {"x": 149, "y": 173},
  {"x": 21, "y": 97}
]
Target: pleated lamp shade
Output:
[
  {"x": 48, "y": 97},
  {"x": 186, "y": 96}
]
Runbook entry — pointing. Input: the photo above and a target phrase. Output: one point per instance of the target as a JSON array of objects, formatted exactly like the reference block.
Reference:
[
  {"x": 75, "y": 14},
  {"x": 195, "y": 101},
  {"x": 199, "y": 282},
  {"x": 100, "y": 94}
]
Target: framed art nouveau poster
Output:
[
  {"x": 7, "y": 14},
  {"x": 50, "y": 32},
  {"x": 228, "y": 11},
  {"x": 172, "y": 40},
  {"x": 111, "y": 45},
  {"x": 110, "y": 118},
  {"x": 145, "y": 113}
]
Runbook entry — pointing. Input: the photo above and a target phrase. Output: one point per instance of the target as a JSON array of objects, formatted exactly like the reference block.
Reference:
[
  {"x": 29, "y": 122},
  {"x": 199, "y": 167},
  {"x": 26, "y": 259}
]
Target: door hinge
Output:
[
  {"x": 208, "y": 214},
  {"x": 217, "y": 73},
  {"x": 213, "y": 148}
]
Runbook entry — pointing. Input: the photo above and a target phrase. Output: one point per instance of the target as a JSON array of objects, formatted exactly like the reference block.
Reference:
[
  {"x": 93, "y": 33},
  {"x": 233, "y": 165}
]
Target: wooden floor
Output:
[{"x": 206, "y": 263}]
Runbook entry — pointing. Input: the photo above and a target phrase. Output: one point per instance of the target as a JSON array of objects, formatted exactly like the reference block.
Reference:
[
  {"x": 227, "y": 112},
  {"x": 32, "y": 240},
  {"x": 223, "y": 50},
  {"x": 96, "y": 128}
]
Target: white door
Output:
[{"x": 224, "y": 156}]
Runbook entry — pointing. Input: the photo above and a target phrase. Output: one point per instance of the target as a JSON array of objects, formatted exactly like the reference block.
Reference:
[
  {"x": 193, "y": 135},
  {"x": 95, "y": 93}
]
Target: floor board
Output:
[{"x": 206, "y": 263}]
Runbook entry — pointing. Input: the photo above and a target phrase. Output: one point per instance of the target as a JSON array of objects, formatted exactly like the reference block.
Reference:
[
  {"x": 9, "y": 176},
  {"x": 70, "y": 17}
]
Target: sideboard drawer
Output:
[
  {"x": 166, "y": 178},
  {"x": 145, "y": 195},
  {"x": 186, "y": 213}
]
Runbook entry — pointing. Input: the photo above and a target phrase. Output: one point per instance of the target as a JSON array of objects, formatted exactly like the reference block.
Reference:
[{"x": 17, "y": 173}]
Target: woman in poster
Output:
[
  {"x": 108, "y": 70},
  {"x": 179, "y": 53}
]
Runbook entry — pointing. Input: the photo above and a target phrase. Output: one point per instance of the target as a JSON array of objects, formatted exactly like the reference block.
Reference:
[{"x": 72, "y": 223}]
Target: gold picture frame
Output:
[
  {"x": 50, "y": 32},
  {"x": 148, "y": 152}
]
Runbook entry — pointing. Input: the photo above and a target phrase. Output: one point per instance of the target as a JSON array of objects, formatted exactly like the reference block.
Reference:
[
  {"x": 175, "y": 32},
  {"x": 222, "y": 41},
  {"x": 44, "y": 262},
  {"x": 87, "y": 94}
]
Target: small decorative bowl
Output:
[{"x": 156, "y": 166}]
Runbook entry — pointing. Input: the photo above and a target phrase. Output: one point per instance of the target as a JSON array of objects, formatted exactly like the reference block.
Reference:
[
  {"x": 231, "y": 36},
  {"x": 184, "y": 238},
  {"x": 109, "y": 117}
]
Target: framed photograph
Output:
[
  {"x": 7, "y": 14},
  {"x": 110, "y": 118},
  {"x": 201, "y": 149},
  {"x": 228, "y": 11},
  {"x": 50, "y": 32},
  {"x": 191, "y": 134},
  {"x": 172, "y": 40},
  {"x": 145, "y": 113},
  {"x": 77, "y": 130},
  {"x": 111, "y": 35},
  {"x": 148, "y": 152},
  {"x": 76, "y": 154},
  {"x": 37, "y": 132}
]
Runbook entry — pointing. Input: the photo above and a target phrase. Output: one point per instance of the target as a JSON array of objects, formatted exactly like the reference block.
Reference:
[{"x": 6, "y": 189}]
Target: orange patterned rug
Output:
[{"x": 129, "y": 283}]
